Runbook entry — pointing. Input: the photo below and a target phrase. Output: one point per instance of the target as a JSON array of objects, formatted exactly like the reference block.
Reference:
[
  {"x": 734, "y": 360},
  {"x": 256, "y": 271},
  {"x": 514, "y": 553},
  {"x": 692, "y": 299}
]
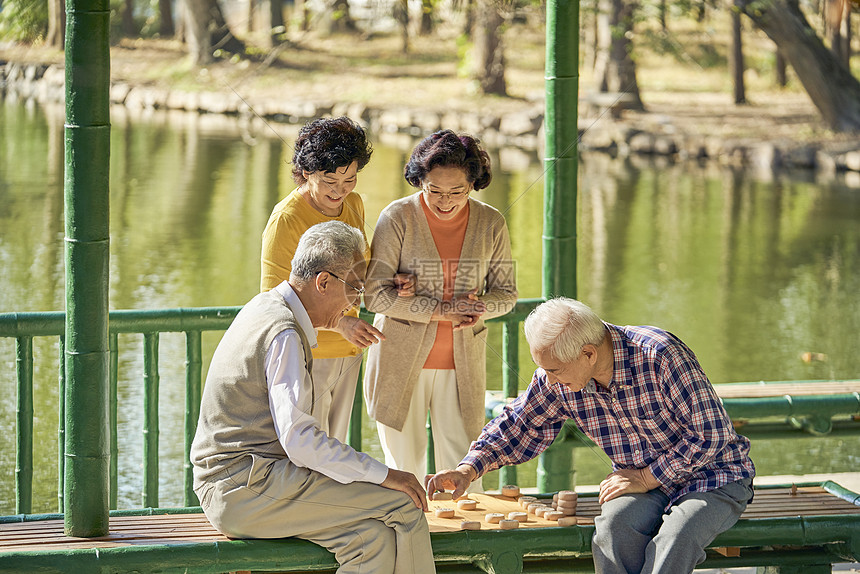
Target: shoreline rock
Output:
[{"x": 614, "y": 134}]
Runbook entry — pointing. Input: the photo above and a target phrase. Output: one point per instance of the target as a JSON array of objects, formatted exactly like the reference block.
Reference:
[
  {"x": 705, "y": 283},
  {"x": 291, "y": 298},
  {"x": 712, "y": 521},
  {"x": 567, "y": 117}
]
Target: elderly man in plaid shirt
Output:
[{"x": 681, "y": 475}]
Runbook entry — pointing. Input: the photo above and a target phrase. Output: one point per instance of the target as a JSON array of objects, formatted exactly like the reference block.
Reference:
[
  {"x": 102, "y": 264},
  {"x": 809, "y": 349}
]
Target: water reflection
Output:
[{"x": 751, "y": 273}]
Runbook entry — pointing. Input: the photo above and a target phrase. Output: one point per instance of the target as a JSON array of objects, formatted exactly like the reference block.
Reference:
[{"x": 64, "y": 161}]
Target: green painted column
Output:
[
  {"x": 560, "y": 186},
  {"x": 560, "y": 125},
  {"x": 87, "y": 151}
]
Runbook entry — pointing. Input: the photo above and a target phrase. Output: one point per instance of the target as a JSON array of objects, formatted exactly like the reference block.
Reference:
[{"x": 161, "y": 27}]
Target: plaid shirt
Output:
[{"x": 659, "y": 411}]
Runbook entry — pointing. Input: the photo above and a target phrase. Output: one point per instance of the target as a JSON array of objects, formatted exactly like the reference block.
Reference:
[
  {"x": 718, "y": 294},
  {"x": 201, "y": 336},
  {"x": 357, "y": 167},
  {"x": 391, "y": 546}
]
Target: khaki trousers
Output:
[
  {"x": 335, "y": 381},
  {"x": 370, "y": 529}
]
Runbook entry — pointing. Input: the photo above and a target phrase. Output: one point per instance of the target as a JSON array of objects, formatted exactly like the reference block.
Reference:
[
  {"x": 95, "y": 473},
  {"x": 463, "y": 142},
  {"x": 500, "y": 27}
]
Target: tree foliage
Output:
[{"x": 24, "y": 20}]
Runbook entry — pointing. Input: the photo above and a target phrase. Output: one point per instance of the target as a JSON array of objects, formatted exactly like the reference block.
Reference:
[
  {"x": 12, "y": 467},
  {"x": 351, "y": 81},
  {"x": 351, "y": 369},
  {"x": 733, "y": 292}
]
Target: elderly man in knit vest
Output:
[{"x": 263, "y": 468}]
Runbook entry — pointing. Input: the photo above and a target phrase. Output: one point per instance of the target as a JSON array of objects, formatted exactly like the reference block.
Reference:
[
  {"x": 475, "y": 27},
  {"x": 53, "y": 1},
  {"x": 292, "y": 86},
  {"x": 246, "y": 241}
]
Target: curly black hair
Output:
[
  {"x": 326, "y": 144},
  {"x": 447, "y": 149}
]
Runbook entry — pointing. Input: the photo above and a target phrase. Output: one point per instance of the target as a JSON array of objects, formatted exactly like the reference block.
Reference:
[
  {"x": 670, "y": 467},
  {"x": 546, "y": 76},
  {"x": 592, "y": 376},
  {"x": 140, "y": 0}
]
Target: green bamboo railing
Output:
[
  {"x": 814, "y": 414},
  {"x": 23, "y": 327},
  {"x": 554, "y": 469}
]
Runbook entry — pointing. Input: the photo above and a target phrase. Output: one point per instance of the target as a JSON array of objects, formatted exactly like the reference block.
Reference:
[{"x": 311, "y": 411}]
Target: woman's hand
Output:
[
  {"x": 405, "y": 284},
  {"x": 359, "y": 332},
  {"x": 469, "y": 304},
  {"x": 462, "y": 321},
  {"x": 462, "y": 311}
]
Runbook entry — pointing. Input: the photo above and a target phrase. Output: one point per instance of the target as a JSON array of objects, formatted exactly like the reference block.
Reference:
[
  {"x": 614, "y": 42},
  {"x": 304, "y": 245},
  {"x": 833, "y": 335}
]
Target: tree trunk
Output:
[
  {"x": 737, "y": 58},
  {"x": 129, "y": 30},
  {"x": 303, "y": 10},
  {"x": 836, "y": 17},
  {"x": 488, "y": 51},
  {"x": 222, "y": 37},
  {"x": 588, "y": 25},
  {"x": 615, "y": 70},
  {"x": 56, "y": 37},
  {"x": 277, "y": 26},
  {"x": 166, "y": 28},
  {"x": 206, "y": 30},
  {"x": 701, "y": 10},
  {"x": 426, "y": 18},
  {"x": 401, "y": 16},
  {"x": 253, "y": 7},
  {"x": 830, "y": 85},
  {"x": 469, "y": 23},
  {"x": 196, "y": 24},
  {"x": 340, "y": 21},
  {"x": 781, "y": 70}
]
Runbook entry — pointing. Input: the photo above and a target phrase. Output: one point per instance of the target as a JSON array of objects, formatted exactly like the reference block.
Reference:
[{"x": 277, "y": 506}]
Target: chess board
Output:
[{"x": 502, "y": 504}]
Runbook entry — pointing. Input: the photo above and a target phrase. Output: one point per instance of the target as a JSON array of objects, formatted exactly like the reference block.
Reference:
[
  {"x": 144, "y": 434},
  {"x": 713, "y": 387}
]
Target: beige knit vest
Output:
[{"x": 235, "y": 419}]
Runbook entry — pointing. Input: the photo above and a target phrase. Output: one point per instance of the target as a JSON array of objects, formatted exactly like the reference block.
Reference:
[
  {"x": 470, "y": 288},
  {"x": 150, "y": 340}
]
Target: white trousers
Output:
[
  {"x": 436, "y": 391},
  {"x": 334, "y": 392}
]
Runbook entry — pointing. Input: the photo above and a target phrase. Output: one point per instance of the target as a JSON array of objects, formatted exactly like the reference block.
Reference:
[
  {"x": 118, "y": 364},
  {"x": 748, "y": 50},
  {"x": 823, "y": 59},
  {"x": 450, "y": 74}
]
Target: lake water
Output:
[{"x": 750, "y": 272}]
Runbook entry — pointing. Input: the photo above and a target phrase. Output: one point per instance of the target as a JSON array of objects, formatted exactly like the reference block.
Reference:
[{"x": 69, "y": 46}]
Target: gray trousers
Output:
[
  {"x": 633, "y": 535},
  {"x": 370, "y": 529}
]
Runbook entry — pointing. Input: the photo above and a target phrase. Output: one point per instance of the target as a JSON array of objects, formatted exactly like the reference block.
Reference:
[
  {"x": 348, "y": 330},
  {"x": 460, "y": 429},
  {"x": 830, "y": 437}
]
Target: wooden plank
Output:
[
  {"x": 757, "y": 390},
  {"x": 729, "y": 551}
]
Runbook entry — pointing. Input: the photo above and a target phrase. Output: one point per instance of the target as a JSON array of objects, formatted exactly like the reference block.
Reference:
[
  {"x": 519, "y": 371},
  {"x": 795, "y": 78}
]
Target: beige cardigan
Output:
[{"x": 402, "y": 243}]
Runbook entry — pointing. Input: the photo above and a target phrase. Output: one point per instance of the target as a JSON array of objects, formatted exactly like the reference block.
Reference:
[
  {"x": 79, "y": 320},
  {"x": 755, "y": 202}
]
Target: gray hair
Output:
[
  {"x": 331, "y": 246},
  {"x": 563, "y": 326}
]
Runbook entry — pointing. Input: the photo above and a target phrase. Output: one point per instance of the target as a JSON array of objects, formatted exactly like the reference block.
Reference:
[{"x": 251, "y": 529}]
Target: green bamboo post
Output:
[
  {"x": 151, "y": 430},
  {"x": 24, "y": 416},
  {"x": 113, "y": 385},
  {"x": 353, "y": 431},
  {"x": 61, "y": 425},
  {"x": 560, "y": 185},
  {"x": 431, "y": 450},
  {"x": 87, "y": 151},
  {"x": 562, "y": 132},
  {"x": 193, "y": 392},
  {"x": 510, "y": 381}
]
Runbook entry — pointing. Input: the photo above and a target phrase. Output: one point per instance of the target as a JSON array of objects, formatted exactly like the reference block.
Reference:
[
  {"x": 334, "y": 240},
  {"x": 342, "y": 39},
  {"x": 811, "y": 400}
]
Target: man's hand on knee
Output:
[
  {"x": 627, "y": 481},
  {"x": 406, "y": 482}
]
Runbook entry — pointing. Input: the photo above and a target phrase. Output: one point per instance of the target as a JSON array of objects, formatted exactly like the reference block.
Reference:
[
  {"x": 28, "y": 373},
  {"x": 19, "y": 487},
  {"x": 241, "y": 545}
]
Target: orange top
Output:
[{"x": 448, "y": 237}]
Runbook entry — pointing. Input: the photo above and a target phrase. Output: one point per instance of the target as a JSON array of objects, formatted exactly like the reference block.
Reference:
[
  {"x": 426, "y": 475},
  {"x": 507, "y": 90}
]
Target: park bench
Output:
[{"x": 789, "y": 529}]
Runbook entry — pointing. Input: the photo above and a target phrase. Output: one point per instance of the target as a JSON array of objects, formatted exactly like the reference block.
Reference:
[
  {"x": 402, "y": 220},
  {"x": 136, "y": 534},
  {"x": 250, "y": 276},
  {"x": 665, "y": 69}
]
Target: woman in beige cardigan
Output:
[{"x": 440, "y": 265}]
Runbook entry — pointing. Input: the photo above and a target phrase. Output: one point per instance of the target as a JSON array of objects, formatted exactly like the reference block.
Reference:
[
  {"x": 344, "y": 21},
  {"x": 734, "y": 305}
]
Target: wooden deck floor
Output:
[{"x": 179, "y": 529}]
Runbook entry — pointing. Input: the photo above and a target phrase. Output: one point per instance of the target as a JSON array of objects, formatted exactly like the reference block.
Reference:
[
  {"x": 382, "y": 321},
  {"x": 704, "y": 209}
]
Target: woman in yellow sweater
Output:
[{"x": 327, "y": 157}]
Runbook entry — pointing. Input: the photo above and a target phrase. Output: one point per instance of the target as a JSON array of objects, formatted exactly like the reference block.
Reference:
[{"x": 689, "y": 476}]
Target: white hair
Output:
[
  {"x": 331, "y": 246},
  {"x": 563, "y": 326}
]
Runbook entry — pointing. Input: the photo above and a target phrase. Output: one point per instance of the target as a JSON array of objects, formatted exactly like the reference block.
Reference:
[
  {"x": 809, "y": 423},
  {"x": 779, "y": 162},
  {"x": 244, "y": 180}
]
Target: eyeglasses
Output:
[
  {"x": 358, "y": 290},
  {"x": 453, "y": 195}
]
